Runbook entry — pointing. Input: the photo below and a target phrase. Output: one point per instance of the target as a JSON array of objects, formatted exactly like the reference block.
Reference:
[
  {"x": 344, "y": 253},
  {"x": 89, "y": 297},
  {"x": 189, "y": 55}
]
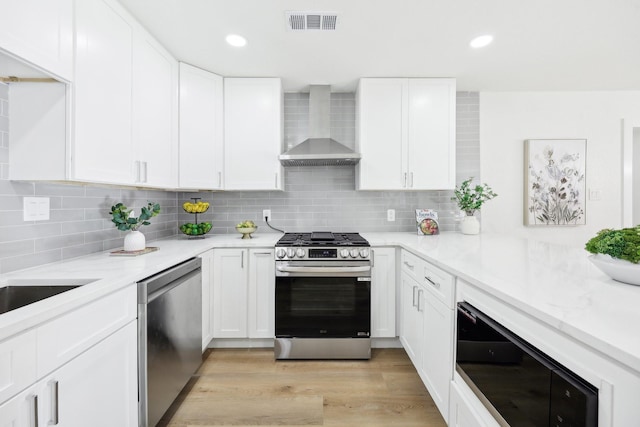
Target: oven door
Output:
[{"x": 316, "y": 300}]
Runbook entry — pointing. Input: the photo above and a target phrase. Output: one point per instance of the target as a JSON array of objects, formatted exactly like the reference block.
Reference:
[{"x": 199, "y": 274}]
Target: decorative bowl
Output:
[
  {"x": 618, "y": 269},
  {"x": 246, "y": 231},
  {"x": 196, "y": 230}
]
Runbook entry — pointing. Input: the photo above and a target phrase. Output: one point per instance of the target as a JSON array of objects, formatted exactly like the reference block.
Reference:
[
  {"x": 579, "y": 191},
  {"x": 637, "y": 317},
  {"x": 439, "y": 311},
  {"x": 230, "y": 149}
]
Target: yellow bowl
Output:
[{"x": 246, "y": 231}]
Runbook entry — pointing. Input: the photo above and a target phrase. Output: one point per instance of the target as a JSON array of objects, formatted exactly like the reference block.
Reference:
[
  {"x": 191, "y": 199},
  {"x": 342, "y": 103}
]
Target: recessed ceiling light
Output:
[
  {"x": 236, "y": 40},
  {"x": 481, "y": 41}
]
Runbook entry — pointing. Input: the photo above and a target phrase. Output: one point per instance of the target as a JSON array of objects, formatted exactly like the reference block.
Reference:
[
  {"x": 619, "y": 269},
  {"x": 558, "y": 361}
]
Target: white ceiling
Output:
[{"x": 538, "y": 44}]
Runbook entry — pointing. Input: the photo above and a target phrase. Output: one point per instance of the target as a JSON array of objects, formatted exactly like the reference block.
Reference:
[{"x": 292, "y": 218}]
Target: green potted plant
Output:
[
  {"x": 617, "y": 253},
  {"x": 125, "y": 220},
  {"x": 469, "y": 199}
]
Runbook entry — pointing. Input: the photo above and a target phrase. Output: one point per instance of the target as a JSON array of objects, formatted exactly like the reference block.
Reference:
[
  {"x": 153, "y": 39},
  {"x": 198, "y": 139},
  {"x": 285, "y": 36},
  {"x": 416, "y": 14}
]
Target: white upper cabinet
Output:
[
  {"x": 39, "y": 32},
  {"x": 116, "y": 124},
  {"x": 201, "y": 129},
  {"x": 102, "y": 143},
  {"x": 252, "y": 133},
  {"x": 406, "y": 134},
  {"x": 381, "y": 133},
  {"x": 155, "y": 113}
]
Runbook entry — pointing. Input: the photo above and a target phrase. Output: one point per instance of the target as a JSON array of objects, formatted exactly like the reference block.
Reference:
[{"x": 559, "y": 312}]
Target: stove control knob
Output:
[
  {"x": 354, "y": 253},
  {"x": 364, "y": 253},
  {"x": 344, "y": 253},
  {"x": 291, "y": 252},
  {"x": 280, "y": 253},
  {"x": 300, "y": 253}
]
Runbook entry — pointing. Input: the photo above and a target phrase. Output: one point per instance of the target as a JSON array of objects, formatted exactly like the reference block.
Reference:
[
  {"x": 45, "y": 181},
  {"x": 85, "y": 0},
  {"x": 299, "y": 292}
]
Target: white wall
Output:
[{"x": 508, "y": 118}]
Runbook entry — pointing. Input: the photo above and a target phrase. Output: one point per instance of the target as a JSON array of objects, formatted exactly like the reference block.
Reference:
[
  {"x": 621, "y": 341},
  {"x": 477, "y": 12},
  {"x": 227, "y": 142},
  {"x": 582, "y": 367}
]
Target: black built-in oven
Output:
[{"x": 519, "y": 384}]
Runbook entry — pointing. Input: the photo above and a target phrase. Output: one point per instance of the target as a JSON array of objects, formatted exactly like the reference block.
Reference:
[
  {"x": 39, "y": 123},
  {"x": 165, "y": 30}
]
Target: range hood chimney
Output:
[{"x": 319, "y": 149}]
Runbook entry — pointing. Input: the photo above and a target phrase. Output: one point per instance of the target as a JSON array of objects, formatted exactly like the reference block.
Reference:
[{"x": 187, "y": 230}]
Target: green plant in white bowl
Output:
[{"x": 617, "y": 253}]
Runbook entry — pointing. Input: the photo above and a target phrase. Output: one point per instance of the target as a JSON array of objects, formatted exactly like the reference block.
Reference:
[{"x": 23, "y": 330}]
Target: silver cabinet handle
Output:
[
  {"x": 53, "y": 385},
  {"x": 409, "y": 265},
  {"x": 137, "y": 162},
  {"x": 277, "y": 186},
  {"x": 414, "y": 295},
  {"x": 242, "y": 259},
  {"x": 34, "y": 410},
  {"x": 144, "y": 164},
  {"x": 420, "y": 292},
  {"x": 404, "y": 180},
  {"x": 411, "y": 180},
  {"x": 219, "y": 179},
  {"x": 433, "y": 282},
  {"x": 373, "y": 258}
]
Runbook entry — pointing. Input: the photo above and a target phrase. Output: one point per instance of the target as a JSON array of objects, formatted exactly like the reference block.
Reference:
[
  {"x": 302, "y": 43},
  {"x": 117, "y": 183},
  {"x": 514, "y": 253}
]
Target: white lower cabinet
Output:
[
  {"x": 383, "y": 293},
  {"x": 243, "y": 293},
  {"x": 96, "y": 384},
  {"x": 207, "y": 294},
  {"x": 99, "y": 388},
  {"x": 461, "y": 411},
  {"x": 427, "y": 295}
]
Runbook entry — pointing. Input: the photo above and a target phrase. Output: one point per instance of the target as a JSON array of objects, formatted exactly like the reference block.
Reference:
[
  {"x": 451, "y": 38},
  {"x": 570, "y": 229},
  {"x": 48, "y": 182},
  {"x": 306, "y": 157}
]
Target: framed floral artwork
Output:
[{"x": 554, "y": 182}]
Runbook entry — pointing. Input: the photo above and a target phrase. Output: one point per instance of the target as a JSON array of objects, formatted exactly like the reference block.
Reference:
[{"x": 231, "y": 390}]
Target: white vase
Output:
[
  {"x": 134, "y": 241},
  {"x": 470, "y": 225}
]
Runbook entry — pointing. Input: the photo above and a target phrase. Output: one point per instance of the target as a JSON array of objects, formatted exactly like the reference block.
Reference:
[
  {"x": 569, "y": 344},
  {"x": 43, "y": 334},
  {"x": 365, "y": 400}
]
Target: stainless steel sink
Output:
[{"x": 19, "y": 293}]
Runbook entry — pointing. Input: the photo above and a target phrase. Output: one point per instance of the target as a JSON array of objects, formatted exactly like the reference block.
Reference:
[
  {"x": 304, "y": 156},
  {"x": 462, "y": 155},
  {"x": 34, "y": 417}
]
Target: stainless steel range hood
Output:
[{"x": 319, "y": 149}]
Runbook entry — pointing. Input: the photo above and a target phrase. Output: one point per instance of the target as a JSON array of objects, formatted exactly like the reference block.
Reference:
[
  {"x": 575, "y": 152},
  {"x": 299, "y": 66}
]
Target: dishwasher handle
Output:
[
  {"x": 179, "y": 281},
  {"x": 163, "y": 282}
]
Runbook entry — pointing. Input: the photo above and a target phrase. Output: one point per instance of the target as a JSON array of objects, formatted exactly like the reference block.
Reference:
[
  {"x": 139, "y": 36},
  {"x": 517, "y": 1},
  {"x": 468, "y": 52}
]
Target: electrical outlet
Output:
[
  {"x": 266, "y": 213},
  {"x": 391, "y": 214}
]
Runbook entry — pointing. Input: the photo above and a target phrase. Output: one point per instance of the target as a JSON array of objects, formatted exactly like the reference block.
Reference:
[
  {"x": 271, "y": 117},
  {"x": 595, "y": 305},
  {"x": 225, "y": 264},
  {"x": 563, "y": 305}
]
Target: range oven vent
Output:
[{"x": 309, "y": 21}]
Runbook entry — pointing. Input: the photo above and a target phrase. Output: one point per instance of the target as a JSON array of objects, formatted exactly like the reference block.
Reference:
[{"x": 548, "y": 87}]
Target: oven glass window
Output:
[{"x": 312, "y": 307}]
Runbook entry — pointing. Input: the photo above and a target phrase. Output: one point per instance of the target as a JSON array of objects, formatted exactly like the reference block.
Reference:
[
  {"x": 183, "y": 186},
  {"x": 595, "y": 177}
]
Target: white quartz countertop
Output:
[{"x": 555, "y": 284}]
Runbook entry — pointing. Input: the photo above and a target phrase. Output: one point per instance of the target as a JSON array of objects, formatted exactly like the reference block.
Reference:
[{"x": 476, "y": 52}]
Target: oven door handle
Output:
[{"x": 338, "y": 270}]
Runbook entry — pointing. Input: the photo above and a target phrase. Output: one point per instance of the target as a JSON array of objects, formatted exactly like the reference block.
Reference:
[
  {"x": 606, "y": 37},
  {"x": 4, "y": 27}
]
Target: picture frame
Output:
[{"x": 555, "y": 182}]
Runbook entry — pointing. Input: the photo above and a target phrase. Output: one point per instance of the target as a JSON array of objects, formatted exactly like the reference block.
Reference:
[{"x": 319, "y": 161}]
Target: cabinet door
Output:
[
  {"x": 201, "y": 129},
  {"x": 462, "y": 414},
  {"x": 102, "y": 150},
  {"x": 437, "y": 354},
  {"x": 230, "y": 293},
  {"x": 207, "y": 300},
  {"x": 40, "y": 32},
  {"x": 383, "y": 293},
  {"x": 252, "y": 134},
  {"x": 262, "y": 302},
  {"x": 432, "y": 140},
  {"x": 98, "y": 388},
  {"x": 381, "y": 134},
  {"x": 412, "y": 323},
  {"x": 21, "y": 410},
  {"x": 155, "y": 113}
]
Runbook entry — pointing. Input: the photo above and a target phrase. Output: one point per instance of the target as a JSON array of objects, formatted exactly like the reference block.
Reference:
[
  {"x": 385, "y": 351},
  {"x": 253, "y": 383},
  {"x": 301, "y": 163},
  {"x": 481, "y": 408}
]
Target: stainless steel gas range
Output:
[{"x": 323, "y": 296}]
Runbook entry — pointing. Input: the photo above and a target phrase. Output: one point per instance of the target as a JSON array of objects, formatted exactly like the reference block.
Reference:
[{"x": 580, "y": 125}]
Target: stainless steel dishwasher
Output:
[{"x": 169, "y": 336}]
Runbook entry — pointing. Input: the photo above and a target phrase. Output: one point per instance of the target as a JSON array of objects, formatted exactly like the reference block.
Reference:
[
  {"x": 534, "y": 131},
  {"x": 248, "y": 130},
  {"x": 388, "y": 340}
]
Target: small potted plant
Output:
[
  {"x": 125, "y": 219},
  {"x": 469, "y": 199},
  {"x": 617, "y": 253}
]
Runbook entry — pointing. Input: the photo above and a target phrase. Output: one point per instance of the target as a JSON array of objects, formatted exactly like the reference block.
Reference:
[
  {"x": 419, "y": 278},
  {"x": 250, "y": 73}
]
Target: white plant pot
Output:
[
  {"x": 134, "y": 241},
  {"x": 470, "y": 225}
]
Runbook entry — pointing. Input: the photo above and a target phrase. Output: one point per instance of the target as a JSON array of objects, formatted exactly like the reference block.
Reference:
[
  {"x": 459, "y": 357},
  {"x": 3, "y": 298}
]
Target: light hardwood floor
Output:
[{"x": 247, "y": 387}]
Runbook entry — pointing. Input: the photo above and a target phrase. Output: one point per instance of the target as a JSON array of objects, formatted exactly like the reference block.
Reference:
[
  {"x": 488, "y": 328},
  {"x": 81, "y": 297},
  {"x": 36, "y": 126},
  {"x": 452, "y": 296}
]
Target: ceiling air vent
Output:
[{"x": 302, "y": 21}]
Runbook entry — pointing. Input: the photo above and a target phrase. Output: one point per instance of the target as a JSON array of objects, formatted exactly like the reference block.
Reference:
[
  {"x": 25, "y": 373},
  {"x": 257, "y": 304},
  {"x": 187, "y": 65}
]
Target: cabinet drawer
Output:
[
  {"x": 72, "y": 333},
  {"x": 17, "y": 364},
  {"x": 438, "y": 282},
  {"x": 411, "y": 265}
]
